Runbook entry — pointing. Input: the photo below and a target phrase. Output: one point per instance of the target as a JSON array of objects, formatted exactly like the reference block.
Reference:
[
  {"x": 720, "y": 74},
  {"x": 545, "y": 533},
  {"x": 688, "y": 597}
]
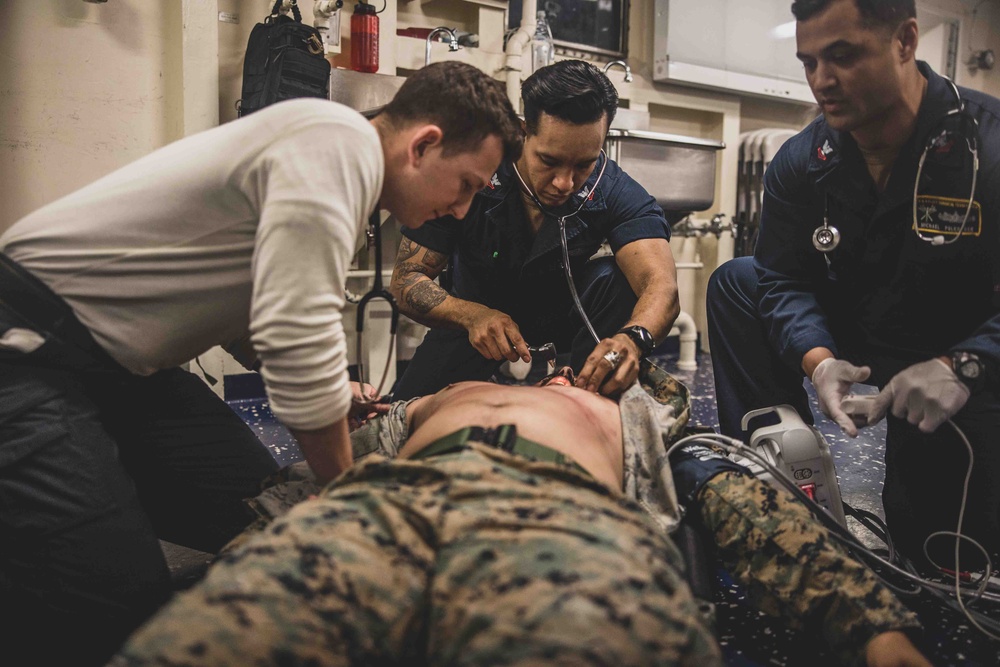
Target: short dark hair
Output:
[
  {"x": 572, "y": 90},
  {"x": 465, "y": 102},
  {"x": 874, "y": 13}
]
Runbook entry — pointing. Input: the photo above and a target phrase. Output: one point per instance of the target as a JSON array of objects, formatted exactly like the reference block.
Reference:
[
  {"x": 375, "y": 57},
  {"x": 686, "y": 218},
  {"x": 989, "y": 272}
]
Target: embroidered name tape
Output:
[{"x": 944, "y": 215}]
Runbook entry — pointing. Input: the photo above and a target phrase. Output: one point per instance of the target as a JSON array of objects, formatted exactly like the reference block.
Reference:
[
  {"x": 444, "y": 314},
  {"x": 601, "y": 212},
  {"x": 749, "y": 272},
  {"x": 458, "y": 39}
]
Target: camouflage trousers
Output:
[
  {"x": 792, "y": 567},
  {"x": 471, "y": 558}
]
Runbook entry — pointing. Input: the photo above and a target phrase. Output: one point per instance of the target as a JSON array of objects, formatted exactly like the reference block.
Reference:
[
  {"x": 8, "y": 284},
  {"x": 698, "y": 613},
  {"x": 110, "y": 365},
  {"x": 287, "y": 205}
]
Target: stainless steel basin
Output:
[
  {"x": 362, "y": 91},
  {"x": 678, "y": 171}
]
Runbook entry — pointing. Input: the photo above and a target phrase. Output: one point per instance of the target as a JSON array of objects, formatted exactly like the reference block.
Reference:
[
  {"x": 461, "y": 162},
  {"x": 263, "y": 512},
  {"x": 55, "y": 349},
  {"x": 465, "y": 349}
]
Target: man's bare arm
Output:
[
  {"x": 648, "y": 265},
  {"x": 493, "y": 333},
  {"x": 327, "y": 450},
  {"x": 419, "y": 297},
  {"x": 413, "y": 284}
]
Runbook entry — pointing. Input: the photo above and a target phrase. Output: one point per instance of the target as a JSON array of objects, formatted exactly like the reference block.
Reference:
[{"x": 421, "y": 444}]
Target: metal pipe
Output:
[
  {"x": 684, "y": 327},
  {"x": 515, "y": 47}
]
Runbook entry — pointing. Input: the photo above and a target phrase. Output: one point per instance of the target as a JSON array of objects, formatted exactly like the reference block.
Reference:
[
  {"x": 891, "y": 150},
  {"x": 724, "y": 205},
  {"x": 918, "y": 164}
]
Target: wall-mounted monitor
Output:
[
  {"x": 597, "y": 27},
  {"x": 741, "y": 46}
]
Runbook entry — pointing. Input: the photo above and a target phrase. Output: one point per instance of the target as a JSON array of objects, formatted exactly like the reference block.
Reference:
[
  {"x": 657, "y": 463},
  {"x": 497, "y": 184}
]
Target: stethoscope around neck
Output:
[
  {"x": 826, "y": 237},
  {"x": 564, "y": 244}
]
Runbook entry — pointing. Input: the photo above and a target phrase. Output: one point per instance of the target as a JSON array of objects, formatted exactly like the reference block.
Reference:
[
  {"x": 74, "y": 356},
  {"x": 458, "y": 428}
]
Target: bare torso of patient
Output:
[{"x": 580, "y": 424}]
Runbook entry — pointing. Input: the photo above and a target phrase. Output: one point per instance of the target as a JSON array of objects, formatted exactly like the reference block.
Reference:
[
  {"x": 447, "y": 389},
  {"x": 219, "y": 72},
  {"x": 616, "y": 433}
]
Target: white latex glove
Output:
[
  {"x": 833, "y": 379},
  {"x": 926, "y": 394}
]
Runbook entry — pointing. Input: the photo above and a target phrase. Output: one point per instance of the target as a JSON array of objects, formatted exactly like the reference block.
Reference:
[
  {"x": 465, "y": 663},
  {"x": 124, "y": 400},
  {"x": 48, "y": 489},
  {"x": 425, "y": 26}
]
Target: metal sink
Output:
[
  {"x": 678, "y": 171},
  {"x": 362, "y": 91}
]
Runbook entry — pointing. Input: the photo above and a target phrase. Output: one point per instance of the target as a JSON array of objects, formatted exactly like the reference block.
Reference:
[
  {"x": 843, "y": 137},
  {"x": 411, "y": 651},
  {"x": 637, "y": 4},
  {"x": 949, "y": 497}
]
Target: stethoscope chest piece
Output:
[{"x": 826, "y": 238}]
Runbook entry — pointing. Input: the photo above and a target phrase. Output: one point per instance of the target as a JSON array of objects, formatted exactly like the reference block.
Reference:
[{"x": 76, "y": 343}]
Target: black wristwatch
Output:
[
  {"x": 970, "y": 369},
  {"x": 643, "y": 339}
]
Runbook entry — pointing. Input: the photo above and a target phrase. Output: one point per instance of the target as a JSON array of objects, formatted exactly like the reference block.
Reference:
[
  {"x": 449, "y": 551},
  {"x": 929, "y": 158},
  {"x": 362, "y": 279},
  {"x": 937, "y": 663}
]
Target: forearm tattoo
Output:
[
  {"x": 407, "y": 249},
  {"x": 436, "y": 261},
  {"x": 413, "y": 283},
  {"x": 413, "y": 277},
  {"x": 424, "y": 296},
  {"x": 407, "y": 273}
]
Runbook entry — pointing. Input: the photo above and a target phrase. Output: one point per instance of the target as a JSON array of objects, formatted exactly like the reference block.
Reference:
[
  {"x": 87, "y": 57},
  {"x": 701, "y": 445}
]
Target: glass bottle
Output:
[{"x": 543, "y": 51}]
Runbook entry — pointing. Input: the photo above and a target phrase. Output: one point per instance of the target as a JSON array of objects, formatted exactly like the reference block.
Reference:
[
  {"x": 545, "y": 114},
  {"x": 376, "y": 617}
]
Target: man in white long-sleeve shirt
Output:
[{"x": 105, "y": 445}]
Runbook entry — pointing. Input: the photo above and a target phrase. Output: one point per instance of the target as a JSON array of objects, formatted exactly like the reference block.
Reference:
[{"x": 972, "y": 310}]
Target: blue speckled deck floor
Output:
[{"x": 747, "y": 637}]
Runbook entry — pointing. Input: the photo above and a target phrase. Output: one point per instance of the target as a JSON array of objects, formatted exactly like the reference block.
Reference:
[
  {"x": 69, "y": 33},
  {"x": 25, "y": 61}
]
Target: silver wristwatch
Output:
[{"x": 969, "y": 368}]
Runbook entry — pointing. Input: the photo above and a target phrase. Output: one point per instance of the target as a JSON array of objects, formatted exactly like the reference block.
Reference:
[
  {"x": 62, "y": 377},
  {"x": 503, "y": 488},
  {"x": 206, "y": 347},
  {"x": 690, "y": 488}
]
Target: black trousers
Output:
[
  {"x": 96, "y": 465},
  {"x": 924, "y": 472},
  {"x": 446, "y": 356}
]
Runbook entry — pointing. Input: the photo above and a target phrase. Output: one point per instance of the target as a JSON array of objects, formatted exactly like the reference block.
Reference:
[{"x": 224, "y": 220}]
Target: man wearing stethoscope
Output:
[
  {"x": 521, "y": 258},
  {"x": 878, "y": 262}
]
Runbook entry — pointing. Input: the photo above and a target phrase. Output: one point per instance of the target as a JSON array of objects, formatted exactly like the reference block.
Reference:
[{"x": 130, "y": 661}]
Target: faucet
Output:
[
  {"x": 623, "y": 65},
  {"x": 718, "y": 225},
  {"x": 452, "y": 42}
]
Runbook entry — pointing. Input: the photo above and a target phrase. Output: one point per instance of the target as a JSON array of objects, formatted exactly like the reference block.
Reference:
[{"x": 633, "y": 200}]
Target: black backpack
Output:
[{"x": 284, "y": 59}]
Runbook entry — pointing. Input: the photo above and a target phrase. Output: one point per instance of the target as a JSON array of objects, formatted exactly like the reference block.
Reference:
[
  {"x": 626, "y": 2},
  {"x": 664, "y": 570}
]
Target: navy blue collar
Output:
[
  {"x": 830, "y": 149},
  {"x": 504, "y": 183}
]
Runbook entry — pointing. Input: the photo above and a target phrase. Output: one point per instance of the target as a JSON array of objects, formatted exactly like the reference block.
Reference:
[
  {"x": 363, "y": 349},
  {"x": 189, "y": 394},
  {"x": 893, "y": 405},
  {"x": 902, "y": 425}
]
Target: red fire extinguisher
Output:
[{"x": 364, "y": 38}]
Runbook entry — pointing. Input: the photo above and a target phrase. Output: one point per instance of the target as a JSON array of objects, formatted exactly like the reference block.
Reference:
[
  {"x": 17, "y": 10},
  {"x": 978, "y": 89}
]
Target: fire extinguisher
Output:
[{"x": 364, "y": 38}]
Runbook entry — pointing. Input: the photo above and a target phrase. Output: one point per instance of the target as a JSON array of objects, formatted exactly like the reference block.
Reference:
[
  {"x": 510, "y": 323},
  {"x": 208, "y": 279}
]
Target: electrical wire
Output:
[{"x": 958, "y": 534}]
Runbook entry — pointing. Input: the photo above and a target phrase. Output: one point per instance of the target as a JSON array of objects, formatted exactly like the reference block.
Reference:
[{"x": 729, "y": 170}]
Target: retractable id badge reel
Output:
[{"x": 801, "y": 452}]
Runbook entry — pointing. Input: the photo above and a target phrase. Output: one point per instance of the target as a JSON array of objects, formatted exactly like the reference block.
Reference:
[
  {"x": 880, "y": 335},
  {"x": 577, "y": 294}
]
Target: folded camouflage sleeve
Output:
[{"x": 792, "y": 567}]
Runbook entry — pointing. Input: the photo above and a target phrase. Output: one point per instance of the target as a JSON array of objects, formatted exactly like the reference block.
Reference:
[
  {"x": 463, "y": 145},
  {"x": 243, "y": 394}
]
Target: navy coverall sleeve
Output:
[
  {"x": 789, "y": 268},
  {"x": 639, "y": 215}
]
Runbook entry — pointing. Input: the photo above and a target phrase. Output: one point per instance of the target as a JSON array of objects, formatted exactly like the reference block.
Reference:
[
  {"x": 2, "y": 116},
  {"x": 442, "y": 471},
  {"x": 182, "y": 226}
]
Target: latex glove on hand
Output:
[
  {"x": 833, "y": 379},
  {"x": 926, "y": 394}
]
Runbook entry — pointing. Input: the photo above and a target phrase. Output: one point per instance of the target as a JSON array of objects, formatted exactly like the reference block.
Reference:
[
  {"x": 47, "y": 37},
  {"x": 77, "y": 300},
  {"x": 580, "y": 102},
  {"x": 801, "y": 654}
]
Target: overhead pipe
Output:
[{"x": 516, "y": 44}]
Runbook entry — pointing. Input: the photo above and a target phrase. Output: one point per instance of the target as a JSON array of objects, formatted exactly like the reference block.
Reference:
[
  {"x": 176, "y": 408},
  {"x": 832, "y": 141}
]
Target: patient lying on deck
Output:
[{"x": 517, "y": 525}]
